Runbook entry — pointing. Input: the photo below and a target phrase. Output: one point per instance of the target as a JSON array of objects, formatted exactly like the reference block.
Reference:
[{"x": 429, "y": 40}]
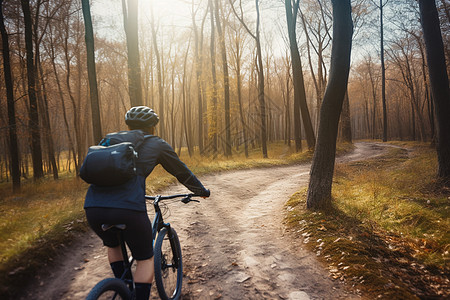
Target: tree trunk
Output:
[
  {"x": 13, "y": 145},
  {"x": 322, "y": 168},
  {"x": 76, "y": 118},
  {"x": 383, "y": 75},
  {"x": 42, "y": 97},
  {"x": 226, "y": 80},
  {"x": 239, "y": 92},
  {"x": 439, "y": 82},
  {"x": 158, "y": 69},
  {"x": 36, "y": 151},
  {"x": 300, "y": 105},
  {"x": 187, "y": 130},
  {"x": 92, "y": 74},
  {"x": 213, "y": 122},
  {"x": 345, "y": 124},
  {"x": 172, "y": 105},
  {"x": 427, "y": 89},
  {"x": 43, "y": 106},
  {"x": 261, "y": 94},
  {"x": 413, "y": 121},
  {"x": 134, "y": 69},
  {"x": 374, "y": 98},
  {"x": 366, "y": 116},
  {"x": 299, "y": 87},
  {"x": 198, "y": 45},
  {"x": 288, "y": 105},
  {"x": 61, "y": 95},
  {"x": 260, "y": 70}
]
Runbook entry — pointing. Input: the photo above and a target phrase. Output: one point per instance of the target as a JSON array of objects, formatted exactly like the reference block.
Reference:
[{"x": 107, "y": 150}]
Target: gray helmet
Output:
[{"x": 141, "y": 116}]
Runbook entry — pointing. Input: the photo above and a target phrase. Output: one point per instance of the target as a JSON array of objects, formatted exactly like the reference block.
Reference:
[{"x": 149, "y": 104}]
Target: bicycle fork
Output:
[{"x": 173, "y": 246}]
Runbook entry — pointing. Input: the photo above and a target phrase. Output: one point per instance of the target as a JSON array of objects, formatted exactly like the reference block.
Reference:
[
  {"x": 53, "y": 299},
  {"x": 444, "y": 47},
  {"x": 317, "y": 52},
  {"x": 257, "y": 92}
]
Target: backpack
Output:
[{"x": 113, "y": 161}]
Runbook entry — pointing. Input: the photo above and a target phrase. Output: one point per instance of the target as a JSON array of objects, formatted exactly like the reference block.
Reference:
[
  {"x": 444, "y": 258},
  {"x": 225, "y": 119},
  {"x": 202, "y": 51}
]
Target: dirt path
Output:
[{"x": 234, "y": 245}]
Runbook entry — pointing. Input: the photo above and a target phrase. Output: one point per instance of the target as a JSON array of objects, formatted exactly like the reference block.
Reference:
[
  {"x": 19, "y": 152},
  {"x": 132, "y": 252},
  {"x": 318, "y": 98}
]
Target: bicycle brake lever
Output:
[{"x": 186, "y": 200}]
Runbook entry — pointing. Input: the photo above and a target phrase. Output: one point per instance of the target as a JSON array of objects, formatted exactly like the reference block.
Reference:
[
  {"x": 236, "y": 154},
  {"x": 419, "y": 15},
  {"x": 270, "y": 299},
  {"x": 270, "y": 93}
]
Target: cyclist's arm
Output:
[{"x": 172, "y": 164}]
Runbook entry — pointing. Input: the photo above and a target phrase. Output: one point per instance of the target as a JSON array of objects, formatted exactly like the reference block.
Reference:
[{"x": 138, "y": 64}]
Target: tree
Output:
[
  {"x": 299, "y": 85},
  {"x": 405, "y": 63},
  {"x": 260, "y": 70},
  {"x": 383, "y": 72},
  {"x": 344, "y": 123},
  {"x": 226, "y": 80},
  {"x": 41, "y": 90},
  {"x": 52, "y": 55},
  {"x": 158, "y": 69},
  {"x": 238, "y": 38},
  {"x": 198, "y": 49},
  {"x": 36, "y": 151},
  {"x": 130, "y": 15},
  {"x": 75, "y": 102},
  {"x": 322, "y": 168},
  {"x": 359, "y": 15},
  {"x": 439, "y": 82},
  {"x": 316, "y": 26},
  {"x": 92, "y": 74},
  {"x": 13, "y": 146},
  {"x": 186, "y": 107},
  {"x": 212, "y": 49}
]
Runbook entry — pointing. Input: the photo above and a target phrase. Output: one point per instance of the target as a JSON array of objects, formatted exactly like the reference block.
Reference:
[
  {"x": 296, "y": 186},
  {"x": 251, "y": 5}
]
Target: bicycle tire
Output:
[
  {"x": 168, "y": 275},
  {"x": 110, "y": 288}
]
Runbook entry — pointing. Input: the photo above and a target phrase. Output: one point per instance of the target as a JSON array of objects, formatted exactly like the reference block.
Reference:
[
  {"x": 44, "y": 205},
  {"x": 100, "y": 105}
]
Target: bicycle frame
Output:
[{"x": 158, "y": 222}]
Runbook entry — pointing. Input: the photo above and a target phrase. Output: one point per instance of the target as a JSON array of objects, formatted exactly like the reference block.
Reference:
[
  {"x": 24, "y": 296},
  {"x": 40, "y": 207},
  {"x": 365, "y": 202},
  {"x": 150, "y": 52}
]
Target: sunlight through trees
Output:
[{"x": 225, "y": 76}]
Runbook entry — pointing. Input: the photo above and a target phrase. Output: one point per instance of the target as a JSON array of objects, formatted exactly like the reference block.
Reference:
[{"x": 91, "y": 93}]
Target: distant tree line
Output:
[{"x": 219, "y": 84}]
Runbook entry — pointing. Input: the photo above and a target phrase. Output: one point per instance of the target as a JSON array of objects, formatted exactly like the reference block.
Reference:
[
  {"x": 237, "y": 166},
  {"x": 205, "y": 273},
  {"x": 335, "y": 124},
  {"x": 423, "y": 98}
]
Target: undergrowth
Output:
[{"x": 387, "y": 233}]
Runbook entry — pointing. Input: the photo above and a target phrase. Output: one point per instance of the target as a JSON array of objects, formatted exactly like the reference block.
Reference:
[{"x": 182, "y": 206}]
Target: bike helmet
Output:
[{"x": 141, "y": 116}]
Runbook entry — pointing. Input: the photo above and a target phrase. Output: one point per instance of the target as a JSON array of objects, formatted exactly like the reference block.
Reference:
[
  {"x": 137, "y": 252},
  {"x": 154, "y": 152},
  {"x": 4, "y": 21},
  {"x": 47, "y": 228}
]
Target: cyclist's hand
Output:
[{"x": 205, "y": 194}]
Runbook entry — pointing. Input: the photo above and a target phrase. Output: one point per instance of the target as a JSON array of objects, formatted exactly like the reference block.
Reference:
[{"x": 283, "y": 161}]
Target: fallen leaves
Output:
[{"x": 322, "y": 228}]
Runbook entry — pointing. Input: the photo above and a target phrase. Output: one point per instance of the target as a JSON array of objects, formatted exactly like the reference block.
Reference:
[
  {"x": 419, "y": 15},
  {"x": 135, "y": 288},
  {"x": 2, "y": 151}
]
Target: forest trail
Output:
[{"x": 233, "y": 243}]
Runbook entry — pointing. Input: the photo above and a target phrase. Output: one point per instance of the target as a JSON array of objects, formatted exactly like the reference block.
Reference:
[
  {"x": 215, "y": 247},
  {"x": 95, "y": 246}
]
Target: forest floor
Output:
[
  {"x": 235, "y": 244},
  {"x": 388, "y": 230},
  {"x": 245, "y": 243}
]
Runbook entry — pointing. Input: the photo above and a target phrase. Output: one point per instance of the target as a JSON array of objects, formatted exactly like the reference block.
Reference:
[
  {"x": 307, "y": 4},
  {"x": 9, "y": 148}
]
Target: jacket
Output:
[{"x": 131, "y": 195}]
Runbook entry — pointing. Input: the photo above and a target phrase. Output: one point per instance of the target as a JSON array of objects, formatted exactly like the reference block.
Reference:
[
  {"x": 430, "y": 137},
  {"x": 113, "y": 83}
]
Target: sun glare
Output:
[
  {"x": 169, "y": 7},
  {"x": 168, "y": 12}
]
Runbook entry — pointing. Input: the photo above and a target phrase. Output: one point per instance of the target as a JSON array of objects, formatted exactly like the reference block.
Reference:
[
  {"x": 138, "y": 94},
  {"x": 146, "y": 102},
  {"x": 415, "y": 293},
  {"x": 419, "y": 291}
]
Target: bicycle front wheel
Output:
[
  {"x": 110, "y": 288},
  {"x": 168, "y": 265}
]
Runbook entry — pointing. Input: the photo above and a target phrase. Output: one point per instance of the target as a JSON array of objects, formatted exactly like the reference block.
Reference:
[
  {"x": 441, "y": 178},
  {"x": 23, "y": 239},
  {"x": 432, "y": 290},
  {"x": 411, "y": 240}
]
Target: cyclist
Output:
[{"x": 125, "y": 204}]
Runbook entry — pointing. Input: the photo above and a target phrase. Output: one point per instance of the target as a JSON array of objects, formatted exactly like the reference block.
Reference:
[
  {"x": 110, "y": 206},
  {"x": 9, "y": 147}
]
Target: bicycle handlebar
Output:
[
  {"x": 170, "y": 196},
  {"x": 186, "y": 197}
]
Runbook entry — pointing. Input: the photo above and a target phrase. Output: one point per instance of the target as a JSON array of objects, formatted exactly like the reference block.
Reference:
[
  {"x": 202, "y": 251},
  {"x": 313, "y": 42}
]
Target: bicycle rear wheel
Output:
[
  {"x": 168, "y": 265},
  {"x": 110, "y": 288}
]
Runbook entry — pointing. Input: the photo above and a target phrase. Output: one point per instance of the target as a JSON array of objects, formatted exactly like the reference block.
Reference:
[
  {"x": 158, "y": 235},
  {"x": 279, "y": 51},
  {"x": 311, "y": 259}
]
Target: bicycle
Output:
[{"x": 167, "y": 259}]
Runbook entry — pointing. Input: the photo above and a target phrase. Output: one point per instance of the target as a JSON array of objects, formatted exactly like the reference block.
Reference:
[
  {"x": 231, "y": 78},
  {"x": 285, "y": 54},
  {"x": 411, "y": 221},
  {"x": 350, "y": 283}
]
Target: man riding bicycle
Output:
[{"x": 125, "y": 203}]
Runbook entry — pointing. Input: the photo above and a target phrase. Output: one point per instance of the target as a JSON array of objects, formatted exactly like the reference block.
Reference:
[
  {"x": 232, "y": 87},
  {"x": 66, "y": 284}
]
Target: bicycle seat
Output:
[{"x": 106, "y": 227}]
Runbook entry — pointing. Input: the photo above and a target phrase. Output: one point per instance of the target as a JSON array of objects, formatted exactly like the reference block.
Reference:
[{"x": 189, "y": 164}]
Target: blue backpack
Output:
[{"x": 113, "y": 161}]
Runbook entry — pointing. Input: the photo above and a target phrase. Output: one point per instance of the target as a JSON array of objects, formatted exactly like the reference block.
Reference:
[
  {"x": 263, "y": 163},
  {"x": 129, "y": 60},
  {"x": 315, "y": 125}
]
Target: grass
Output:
[
  {"x": 387, "y": 233},
  {"x": 33, "y": 226},
  {"x": 36, "y": 223}
]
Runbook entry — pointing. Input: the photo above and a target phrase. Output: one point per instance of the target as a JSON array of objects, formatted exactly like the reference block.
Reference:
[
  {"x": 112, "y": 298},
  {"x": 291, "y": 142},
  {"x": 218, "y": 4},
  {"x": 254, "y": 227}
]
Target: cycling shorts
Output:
[{"x": 137, "y": 235}]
